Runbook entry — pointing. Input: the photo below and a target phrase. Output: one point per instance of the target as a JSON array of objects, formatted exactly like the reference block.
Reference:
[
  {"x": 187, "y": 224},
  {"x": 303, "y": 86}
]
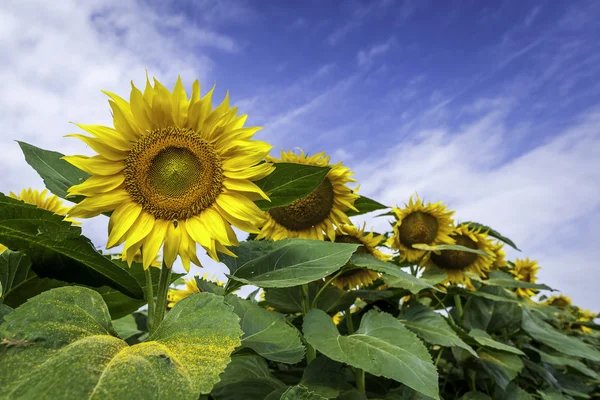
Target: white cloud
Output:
[
  {"x": 360, "y": 13},
  {"x": 365, "y": 57}
]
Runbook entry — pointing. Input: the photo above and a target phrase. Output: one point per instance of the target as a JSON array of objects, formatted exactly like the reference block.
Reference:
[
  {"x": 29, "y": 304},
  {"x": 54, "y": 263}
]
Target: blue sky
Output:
[{"x": 490, "y": 106}]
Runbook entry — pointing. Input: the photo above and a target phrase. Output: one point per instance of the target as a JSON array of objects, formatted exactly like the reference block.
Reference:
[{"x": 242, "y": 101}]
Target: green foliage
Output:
[
  {"x": 365, "y": 205},
  {"x": 491, "y": 232},
  {"x": 64, "y": 346}
]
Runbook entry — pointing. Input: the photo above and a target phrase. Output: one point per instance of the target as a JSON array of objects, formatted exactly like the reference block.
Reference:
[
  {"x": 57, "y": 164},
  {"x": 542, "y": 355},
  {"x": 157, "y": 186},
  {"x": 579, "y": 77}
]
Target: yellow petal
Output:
[
  {"x": 122, "y": 219},
  {"x": 93, "y": 206},
  {"x": 96, "y": 165},
  {"x": 200, "y": 111},
  {"x": 219, "y": 229},
  {"x": 141, "y": 228},
  {"x": 101, "y": 147},
  {"x": 184, "y": 239},
  {"x": 224, "y": 250},
  {"x": 179, "y": 105},
  {"x": 253, "y": 173},
  {"x": 132, "y": 252},
  {"x": 122, "y": 118},
  {"x": 238, "y": 223},
  {"x": 140, "y": 109},
  {"x": 148, "y": 91},
  {"x": 154, "y": 241},
  {"x": 197, "y": 231},
  {"x": 109, "y": 135},
  {"x": 96, "y": 184},
  {"x": 195, "y": 94},
  {"x": 239, "y": 206},
  {"x": 172, "y": 243},
  {"x": 244, "y": 185},
  {"x": 161, "y": 106}
]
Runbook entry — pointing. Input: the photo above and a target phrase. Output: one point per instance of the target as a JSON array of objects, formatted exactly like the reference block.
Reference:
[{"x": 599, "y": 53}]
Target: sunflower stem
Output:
[
  {"x": 149, "y": 299},
  {"x": 327, "y": 283},
  {"x": 459, "y": 309},
  {"x": 359, "y": 374},
  {"x": 161, "y": 295},
  {"x": 311, "y": 353}
]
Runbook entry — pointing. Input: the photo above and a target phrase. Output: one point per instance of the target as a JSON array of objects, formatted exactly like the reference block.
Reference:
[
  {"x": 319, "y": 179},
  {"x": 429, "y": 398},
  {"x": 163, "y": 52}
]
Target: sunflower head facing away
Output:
[
  {"x": 39, "y": 199},
  {"x": 191, "y": 287},
  {"x": 419, "y": 223},
  {"x": 560, "y": 301},
  {"x": 455, "y": 262},
  {"x": 172, "y": 171},
  {"x": 316, "y": 215},
  {"x": 368, "y": 245},
  {"x": 525, "y": 271}
]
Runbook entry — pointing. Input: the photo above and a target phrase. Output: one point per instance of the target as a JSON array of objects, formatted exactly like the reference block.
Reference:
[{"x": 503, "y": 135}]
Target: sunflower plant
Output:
[{"x": 431, "y": 309}]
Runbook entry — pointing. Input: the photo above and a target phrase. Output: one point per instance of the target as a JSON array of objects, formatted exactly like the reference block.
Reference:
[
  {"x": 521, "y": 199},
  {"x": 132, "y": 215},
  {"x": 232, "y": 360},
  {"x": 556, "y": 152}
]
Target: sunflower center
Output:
[
  {"x": 362, "y": 249},
  {"x": 456, "y": 260},
  {"x": 418, "y": 227},
  {"x": 173, "y": 173},
  {"x": 308, "y": 211}
]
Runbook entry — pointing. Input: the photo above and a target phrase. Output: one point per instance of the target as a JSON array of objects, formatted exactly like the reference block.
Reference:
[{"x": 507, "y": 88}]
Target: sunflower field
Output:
[{"x": 430, "y": 309}]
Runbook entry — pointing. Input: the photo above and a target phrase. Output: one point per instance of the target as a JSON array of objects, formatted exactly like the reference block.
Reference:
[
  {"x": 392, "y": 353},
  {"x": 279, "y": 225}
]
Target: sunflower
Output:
[
  {"x": 39, "y": 199},
  {"x": 191, "y": 287},
  {"x": 586, "y": 316},
  {"x": 455, "y": 262},
  {"x": 174, "y": 172},
  {"x": 369, "y": 242},
  {"x": 419, "y": 223},
  {"x": 321, "y": 211},
  {"x": 560, "y": 301},
  {"x": 498, "y": 250},
  {"x": 525, "y": 271},
  {"x": 138, "y": 259}
]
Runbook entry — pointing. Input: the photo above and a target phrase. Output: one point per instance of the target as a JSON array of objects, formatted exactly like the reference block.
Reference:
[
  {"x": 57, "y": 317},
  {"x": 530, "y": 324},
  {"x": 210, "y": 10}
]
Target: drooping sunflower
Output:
[
  {"x": 191, "y": 287},
  {"x": 585, "y": 316},
  {"x": 498, "y": 249},
  {"x": 419, "y": 223},
  {"x": 317, "y": 214},
  {"x": 358, "y": 277},
  {"x": 560, "y": 301},
  {"x": 525, "y": 271},
  {"x": 455, "y": 262},
  {"x": 39, "y": 199},
  {"x": 172, "y": 171}
]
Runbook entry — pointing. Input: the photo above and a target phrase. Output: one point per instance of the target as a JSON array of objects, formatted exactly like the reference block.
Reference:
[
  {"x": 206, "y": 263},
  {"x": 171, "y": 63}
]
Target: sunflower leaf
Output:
[
  {"x": 456, "y": 247},
  {"x": 285, "y": 263},
  {"x": 70, "y": 349},
  {"x": 492, "y": 233},
  {"x": 289, "y": 300},
  {"x": 382, "y": 346},
  {"x": 289, "y": 182},
  {"x": 58, "y": 250},
  {"x": 58, "y": 175},
  {"x": 365, "y": 205},
  {"x": 499, "y": 278},
  {"x": 486, "y": 340},
  {"x": 503, "y": 367}
]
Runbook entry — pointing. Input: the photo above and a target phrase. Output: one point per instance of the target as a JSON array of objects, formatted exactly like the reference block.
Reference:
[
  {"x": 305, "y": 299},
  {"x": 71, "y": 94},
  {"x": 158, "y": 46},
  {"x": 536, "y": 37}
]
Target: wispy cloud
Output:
[
  {"x": 359, "y": 14},
  {"x": 365, "y": 57}
]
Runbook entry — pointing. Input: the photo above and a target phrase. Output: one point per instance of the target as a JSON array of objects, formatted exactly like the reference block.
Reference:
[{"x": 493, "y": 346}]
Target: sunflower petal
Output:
[
  {"x": 93, "y": 206},
  {"x": 244, "y": 185},
  {"x": 179, "y": 105},
  {"x": 239, "y": 206},
  {"x": 172, "y": 243},
  {"x": 109, "y": 135},
  {"x": 96, "y": 184},
  {"x": 122, "y": 219},
  {"x": 101, "y": 147},
  {"x": 140, "y": 109},
  {"x": 154, "y": 241},
  {"x": 161, "y": 106},
  {"x": 96, "y": 165},
  {"x": 141, "y": 228}
]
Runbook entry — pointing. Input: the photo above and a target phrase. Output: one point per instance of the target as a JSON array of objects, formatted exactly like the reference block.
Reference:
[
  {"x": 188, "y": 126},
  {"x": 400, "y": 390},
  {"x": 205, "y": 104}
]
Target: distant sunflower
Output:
[
  {"x": 455, "y": 262},
  {"x": 419, "y": 223},
  {"x": 319, "y": 212},
  {"x": 525, "y": 271},
  {"x": 191, "y": 287},
  {"x": 586, "y": 316},
  {"x": 369, "y": 242},
  {"x": 498, "y": 250},
  {"x": 560, "y": 301},
  {"x": 174, "y": 172},
  {"x": 39, "y": 199}
]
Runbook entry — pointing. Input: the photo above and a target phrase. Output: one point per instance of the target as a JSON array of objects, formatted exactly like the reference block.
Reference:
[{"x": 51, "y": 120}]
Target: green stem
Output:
[
  {"x": 359, "y": 374},
  {"x": 161, "y": 295},
  {"x": 413, "y": 272},
  {"x": 437, "y": 360},
  {"x": 311, "y": 352},
  {"x": 458, "y": 304},
  {"x": 149, "y": 298},
  {"x": 327, "y": 283}
]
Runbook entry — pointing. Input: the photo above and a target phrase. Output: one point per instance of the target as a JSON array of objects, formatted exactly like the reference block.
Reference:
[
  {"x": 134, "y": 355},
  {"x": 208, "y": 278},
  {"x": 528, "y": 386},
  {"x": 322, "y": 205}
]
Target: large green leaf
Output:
[
  {"x": 492, "y": 233},
  {"x": 267, "y": 332},
  {"x": 247, "y": 377},
  {"x": 486, "y": 340},
  {"x": 58, "y": 175},
  {"x": 399, "y": 278},
  {"x": 475, "y": 396},
  {"x": 289, "y": 182},
  {"x": 382, "y": 346},
  {"x": 499, "y": 278},
  {"x": 448, "y": 247},
  {"x": 503, "y": 367},
  {"x": 325, "y": 377},
  {"x": 289, "y": 300},
  {"x": 546, "y": 334},
  {"x": 300, "y": 392},
  {"x": 286, "y": 263},
  {"x": 562, "y": 361},
  {"x": 57, "y": 250},
  {"x": 126, "y": 327},
  {"x": 365, "y": 205},
  {"x": 491, "y": 314},
  {"x": 69, "y": 349}
]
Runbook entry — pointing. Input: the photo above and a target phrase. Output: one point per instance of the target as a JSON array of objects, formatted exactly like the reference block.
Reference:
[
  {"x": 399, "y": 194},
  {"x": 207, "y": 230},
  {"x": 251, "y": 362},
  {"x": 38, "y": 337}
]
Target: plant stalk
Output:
[
  {"x": 359, "y": 374},
  {"x": 327, "y": 283},
  {"x": 149, "y": 299},
  {"x": 458, "y": 304},
  {"x": 311, "y": 352},
  {"x": 161, "y": 295}
]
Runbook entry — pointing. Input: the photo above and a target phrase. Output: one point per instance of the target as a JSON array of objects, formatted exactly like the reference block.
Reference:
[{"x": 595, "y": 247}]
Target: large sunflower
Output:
[
  {"x": 419, "y": 223},
  {"x": 369, "y": 242},
  {"x": 173, "y": 171},
  {"x": 321, "y": 211},
  {"x": 455, "y": 262},
  {"x": 39, "y": 199},
  {"x": 525, "y": 271}
]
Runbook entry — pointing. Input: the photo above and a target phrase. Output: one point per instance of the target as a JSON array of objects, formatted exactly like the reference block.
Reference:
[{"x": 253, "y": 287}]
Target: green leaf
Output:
[
  {"x": 267, "y": 332},
  {"x": 430, "y": 326},
  {"x": 289, "y": 300},
  {"x": 551, "y": 395},
  {"x": 486, "y": 340},
  {"x": 433, "y": 276},
  {"x": 289, "y": 182},
  {"x": 503, "y": 367},
  {"x": 561, "y": 361},
  {"x": 514, "y": 392},
  {"x": 399, "y": 278},
  {"x": 445, "y": 247},
  {"x": 477, "y": 313},
  {"x": 365, "y": 205},
  {"x": 126, "y": 327},
  {"x": 246, "y": 377},
  {"x": 499, "y": 278},
  {"x": 325, "y": 377},
  {"x": 58, "y": 175},
  {"x": 492, "y": 233},
  {"x": 285, "y": 263},
  {"x": 475, "y": 396},
  {"x": 57, "y": 250},
  {"x": 300, "y": 393},
  {"x": 69, "y": 350},
  {"x": 381, "y": 347},
  {"x": 209, "y": 287},
  {"x": 545, "y": 333}
]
